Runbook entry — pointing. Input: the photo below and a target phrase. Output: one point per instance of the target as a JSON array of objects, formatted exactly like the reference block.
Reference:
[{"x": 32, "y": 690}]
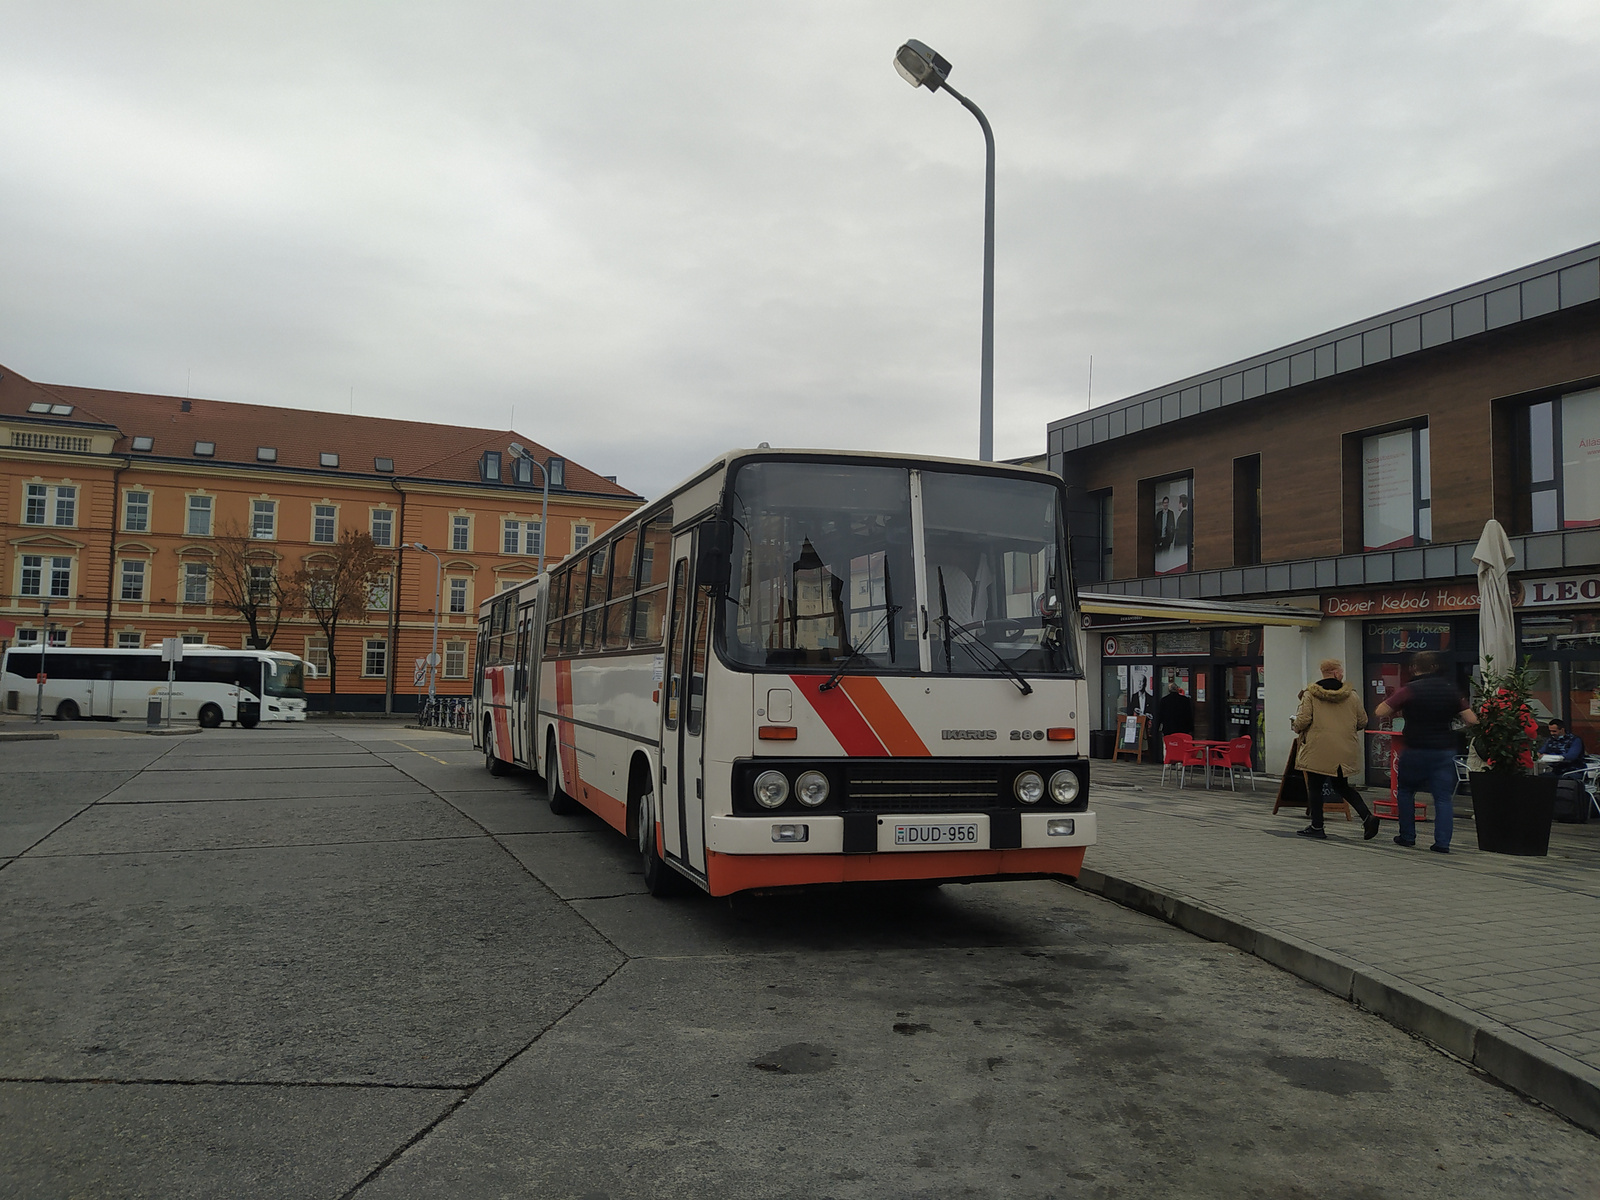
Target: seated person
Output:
[{"x": 1568, "y": 747}]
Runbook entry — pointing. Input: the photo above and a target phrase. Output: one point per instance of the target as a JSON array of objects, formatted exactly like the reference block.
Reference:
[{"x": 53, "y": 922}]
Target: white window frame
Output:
[
  {"x": 190, "y": 509},
  {"x": 375, "y": 646},
  {"x": 462, "y": 585},
  {"x": 317, "y": 652},
  {"x": 259, "y": 508},
  {"x": 136, "y": 571},
  {"x": 510, "y": 536},
  {"x": 372, "y": 526},
  {"x": 461, "y": 532},
  {"x": 533, "y": 537},
  {"x": 455, "y": 659},
  {"x": 130, "y": 639},
  {"x": 127, "y": 510},
  {"x": 333, "y": 528},
  {"x": 49, "y": 502},
  {"x": 261, "y": 579},
  {"x": 192, "y": 639},
  {"x": 582, "y": 535},
  {"x": 185, "y": 576}
]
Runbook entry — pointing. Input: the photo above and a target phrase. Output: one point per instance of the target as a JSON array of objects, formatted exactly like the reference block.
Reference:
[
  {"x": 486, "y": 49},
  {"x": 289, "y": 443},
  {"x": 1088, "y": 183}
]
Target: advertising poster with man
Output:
[{"x": 1174, "y": 524}]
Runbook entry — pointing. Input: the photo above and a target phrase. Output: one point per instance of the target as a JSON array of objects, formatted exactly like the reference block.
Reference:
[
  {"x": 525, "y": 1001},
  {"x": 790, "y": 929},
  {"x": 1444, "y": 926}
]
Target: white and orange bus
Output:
[{"x": 809, "y": 667}]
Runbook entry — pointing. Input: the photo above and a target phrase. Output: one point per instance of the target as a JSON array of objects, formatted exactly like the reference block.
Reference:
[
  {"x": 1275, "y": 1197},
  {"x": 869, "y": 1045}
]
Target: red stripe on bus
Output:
[
  {"x": 729, "y": 873},
  {"x": 841, "y": 717},
  {"x": 884, "y": 715}
]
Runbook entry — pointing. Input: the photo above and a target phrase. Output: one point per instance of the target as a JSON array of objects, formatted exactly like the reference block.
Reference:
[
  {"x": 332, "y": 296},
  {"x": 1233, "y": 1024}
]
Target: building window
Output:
[
  {"x": 32, "y": 575},
  {"x": 136, "y": 512},
  {"x": 127, "y": 640},
  {"x": 34, "y": 568},
  {"x": 195, "y": 576},
  {"x": 378, "y": 596},
  {"x": 1558, "y": 469},
  {"x": 205, "y": 449},
  {"x": 383, "y": 464},
  {"x": 455, "y": 660},
  {"x": 490, "y": 466},
  {"x": 266, "y": 454},
  {"x": 27, "y": 637},
  {"x": 260, "y": 585},
  {"x": 460, "y": 532},
  {"x": 324, "y": 523},
  {"x": 533, "y": 538},
  {"x": 522, "y": 471},
  {"x": 382, "y": 527},
  {"x": 133, "y": 579},
  {"x": 328, "y": 460},
  {"x": 511, "y": 537},
  {"x": 60, "y": 504},
  {"x": 376, "y": 659},
  {"x": 1172, "y": 524},
  {"x": 144, "y": 443},
  {"x": 199, "y": 523},
  {"x": 580, "y": 536},
  {"x": 558, "y": 472},
  {"x": 458, "y": 595},
  {"x": 507, "y": 584},
  {"x": 317, "y": 653},
  {"x": 264, "y": 519},
  {"x": 1247, "y": 510},
  {"x": 1396, "y": 509},
  {"x": 192, "y": 639}
]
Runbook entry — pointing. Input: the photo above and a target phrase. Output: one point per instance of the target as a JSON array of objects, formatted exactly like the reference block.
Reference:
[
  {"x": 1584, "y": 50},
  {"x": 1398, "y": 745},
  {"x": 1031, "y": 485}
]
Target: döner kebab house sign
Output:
[{"x": 1462, "y": 597}]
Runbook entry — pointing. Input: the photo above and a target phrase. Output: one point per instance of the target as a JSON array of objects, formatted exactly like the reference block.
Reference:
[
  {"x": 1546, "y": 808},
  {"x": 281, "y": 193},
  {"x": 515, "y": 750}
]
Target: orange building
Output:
[{"x": 119, "y": 509}]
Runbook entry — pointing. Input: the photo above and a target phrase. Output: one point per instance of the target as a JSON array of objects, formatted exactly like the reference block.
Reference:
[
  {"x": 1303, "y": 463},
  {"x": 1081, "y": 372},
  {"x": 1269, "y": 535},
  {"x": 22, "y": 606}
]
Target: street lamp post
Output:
[
  {"x": 438, "y": 586},
  {"x": 44, "y": 645},
  {"x": 544, "y": 513},
  {"x": 920, "y": 66}
]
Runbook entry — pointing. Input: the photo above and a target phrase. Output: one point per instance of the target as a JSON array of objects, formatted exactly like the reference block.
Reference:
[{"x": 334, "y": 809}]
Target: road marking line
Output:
[{"x": 414, "y": 750}]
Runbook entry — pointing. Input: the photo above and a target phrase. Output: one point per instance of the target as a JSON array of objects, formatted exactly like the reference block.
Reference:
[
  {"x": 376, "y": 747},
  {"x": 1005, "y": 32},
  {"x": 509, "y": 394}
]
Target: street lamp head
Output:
[
  {"x": 417, "y": 546},
  {"x": 920, "y": 66},
  {"x": 516, "y": 450}
]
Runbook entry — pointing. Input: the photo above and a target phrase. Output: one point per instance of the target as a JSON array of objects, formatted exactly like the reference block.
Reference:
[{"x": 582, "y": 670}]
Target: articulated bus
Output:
[
  {"x": 809, "y": 667},
  {"x": 213, "y": 684}
]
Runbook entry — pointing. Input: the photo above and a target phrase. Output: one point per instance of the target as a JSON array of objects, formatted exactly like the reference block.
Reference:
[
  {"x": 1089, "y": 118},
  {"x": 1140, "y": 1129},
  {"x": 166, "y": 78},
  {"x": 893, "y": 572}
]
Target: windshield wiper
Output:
[
  {"x": 856, "y": 652},
  {"x": 973, "y": 639}
]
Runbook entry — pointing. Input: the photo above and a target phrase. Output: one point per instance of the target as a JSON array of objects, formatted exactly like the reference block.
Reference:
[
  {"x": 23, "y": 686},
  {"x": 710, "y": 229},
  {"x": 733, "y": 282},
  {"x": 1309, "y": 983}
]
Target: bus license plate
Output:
[{"x": 946, "y": 833}]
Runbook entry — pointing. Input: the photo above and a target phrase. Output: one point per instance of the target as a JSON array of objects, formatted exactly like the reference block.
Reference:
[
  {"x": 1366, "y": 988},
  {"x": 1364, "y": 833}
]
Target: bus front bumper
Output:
[{"x": 801, "y": 833}]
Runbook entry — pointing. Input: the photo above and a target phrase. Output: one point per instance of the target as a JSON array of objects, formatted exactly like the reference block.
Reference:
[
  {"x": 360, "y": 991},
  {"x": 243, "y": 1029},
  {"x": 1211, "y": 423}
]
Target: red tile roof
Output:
[{"x": 420, "y": 450}]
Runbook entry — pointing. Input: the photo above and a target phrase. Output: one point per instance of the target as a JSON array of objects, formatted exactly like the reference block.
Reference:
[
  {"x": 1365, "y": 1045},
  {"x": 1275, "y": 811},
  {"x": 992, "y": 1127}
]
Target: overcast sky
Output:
[{"x": 659, "y": 230}]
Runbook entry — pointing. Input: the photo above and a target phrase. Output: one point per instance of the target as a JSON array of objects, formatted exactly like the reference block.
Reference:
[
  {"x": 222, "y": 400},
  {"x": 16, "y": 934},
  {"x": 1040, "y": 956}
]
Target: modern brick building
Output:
[
  {"x": 1325, "y": 498},
  {"x": 118, "y": 504}
]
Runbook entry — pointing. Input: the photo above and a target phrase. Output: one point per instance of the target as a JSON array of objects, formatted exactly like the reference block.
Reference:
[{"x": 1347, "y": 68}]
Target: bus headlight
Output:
[
  {"x": 1064, "y": 787},
  {"x": 811, "y": 789},
  {"x": 1029, "y": 788},
  {"x": 771, "y": 789}
]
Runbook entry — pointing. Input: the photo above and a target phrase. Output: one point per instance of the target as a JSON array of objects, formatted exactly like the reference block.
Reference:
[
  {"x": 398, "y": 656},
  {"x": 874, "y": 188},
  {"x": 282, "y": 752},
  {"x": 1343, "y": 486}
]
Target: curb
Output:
[
  {"x": 1557, "y": 1080},
  {"x": 170, "y": 730},
  {"x": 29, "y": 737}
]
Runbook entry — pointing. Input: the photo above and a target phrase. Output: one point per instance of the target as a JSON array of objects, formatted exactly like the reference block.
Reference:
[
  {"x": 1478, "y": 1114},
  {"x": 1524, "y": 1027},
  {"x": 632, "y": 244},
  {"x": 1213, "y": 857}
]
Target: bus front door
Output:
[{"x": 682, "y": 744}]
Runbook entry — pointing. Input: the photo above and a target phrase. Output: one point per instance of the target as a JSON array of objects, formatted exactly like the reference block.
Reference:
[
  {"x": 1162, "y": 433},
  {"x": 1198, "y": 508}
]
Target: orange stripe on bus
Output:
[
  {"x": 884, "y": 715},
  {"x": 729, "y": 873}
]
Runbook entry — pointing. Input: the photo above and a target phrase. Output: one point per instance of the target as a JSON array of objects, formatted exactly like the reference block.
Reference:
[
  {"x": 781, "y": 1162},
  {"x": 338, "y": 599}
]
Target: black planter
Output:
[{"x": 1512, "y": 812}]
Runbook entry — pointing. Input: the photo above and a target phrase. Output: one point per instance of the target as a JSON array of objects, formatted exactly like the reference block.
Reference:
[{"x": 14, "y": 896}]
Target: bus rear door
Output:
[{"x": 684, "y": 710}]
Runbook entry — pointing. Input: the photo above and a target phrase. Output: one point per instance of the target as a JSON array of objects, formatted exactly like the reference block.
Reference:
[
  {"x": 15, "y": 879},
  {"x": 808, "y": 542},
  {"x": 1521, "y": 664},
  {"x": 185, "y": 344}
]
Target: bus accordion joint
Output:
[
  {"x": 1061, "y": 735},
  {"x": 778, "y": 733}
]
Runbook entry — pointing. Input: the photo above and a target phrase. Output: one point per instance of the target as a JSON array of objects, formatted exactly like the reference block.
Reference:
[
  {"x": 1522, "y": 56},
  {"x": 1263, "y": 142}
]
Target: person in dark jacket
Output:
[
  {"x": 1430, "y": 704},
  {"x": 1175, "y": 713},
  {"x": 1568, "y": 747}
]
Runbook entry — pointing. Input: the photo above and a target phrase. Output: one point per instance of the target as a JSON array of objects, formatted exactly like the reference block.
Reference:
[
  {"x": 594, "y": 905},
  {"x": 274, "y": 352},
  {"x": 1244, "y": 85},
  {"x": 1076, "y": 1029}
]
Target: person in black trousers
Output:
[{"x": 1329, "y": 721}]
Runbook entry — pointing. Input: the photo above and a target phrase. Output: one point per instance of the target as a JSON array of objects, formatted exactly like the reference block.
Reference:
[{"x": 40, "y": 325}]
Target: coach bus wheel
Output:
[
  {"x": 659, "y": 879},
  {"x": 210, "y": 716},
  {"x": 67, "y": 710},
  {"x": 561, "y": 804},
  {"x": 494, "y": 765}
]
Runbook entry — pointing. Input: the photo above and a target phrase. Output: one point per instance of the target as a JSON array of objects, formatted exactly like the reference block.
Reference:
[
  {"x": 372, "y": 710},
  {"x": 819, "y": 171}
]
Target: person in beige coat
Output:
[{"x": 1329, "y": 721}]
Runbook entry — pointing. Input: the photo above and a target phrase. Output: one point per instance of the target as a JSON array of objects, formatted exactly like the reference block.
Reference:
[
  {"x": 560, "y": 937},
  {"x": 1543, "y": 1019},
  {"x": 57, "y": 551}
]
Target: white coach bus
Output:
[
  {"x": 213, "y": 684},
  {"x": 806, "y": 667}
]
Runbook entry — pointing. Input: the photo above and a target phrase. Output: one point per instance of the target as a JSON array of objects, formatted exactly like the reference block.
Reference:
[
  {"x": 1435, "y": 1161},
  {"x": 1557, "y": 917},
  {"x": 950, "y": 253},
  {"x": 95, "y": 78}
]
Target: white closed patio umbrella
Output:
[{"x": 1497, "y": 631}]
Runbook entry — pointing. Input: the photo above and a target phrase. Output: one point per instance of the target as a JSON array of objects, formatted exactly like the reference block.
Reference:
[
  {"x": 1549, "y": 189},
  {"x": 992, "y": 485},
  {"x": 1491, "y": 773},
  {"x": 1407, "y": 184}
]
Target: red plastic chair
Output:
[
  {"x": 1235, "y": 756},
  {"x": 1180, "y": 751}
]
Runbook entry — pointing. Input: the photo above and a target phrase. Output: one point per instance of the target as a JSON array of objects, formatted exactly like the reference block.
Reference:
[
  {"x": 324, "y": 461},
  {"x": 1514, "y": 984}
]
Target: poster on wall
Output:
[
  {"x": 1141, "y": 690},
  {"x": 1580, "y": 459},
  {"x": 1388, "y": 491},
  {"x": 1174, "y": 524}
]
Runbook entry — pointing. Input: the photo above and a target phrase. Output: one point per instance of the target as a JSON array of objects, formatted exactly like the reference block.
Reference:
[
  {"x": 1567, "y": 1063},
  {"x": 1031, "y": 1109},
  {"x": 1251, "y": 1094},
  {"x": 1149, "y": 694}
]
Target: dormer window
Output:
[
  {"x": 39, "y": 406},
  {"x": 383, "y": 464},
  {"x": 558, "y": 471},
  {"x": 490, "y": 466},
  {"x": 61, "y": 410},
  {"x": 328, "y": 460},
  {"x": 522, "y": 470},
  {"x": 144, "y": 443},
  {"x": 266, "y": 454},
  {"x": 205, "y": 449}
]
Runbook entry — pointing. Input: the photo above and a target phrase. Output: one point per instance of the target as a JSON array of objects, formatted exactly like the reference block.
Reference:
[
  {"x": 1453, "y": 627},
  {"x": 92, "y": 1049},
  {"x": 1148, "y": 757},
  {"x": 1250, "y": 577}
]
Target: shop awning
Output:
[{"x": 1198, "y": 612}]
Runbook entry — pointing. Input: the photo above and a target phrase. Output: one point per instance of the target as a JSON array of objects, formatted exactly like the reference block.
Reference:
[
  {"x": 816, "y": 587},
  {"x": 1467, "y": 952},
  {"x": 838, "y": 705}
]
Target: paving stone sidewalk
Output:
[{"x": 1494, "y": 958}]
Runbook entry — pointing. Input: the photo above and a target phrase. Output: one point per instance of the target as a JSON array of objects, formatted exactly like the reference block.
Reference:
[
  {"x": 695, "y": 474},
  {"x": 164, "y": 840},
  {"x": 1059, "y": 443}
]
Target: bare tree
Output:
[
  {"x": 342, "y": 584},
  {"x": 245, "y": 579}
]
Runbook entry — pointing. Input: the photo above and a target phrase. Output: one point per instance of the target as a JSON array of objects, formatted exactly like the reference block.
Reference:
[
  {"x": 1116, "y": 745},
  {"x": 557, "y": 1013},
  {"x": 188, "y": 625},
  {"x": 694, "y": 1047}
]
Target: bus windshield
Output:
[
  {"x": 823, "y": 571},
  {"x": 283, "y": 677}
]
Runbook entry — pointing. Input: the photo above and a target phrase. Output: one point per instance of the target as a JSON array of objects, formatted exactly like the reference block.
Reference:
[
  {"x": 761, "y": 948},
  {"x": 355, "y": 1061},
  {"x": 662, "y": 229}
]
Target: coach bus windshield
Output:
[
  {"x": 284, "y": 677},
  {"x": 823, "y": 571}
]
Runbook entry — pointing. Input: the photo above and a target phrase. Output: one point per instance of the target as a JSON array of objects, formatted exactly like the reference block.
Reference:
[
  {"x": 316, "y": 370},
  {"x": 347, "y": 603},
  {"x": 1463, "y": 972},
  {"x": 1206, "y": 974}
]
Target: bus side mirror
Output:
[{"x": 711, "y": 568}]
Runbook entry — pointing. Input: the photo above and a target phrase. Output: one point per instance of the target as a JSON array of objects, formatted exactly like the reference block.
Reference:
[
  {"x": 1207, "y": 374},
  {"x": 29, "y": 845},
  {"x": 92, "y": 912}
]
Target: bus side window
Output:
[
  {"x": 680, "y": 623},
  {"x": 695, "y": 718}
]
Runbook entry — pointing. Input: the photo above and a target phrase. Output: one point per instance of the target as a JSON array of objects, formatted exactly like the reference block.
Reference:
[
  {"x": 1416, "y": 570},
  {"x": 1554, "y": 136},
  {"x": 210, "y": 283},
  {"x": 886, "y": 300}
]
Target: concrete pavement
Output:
[{"x": 1493, "y": 958}]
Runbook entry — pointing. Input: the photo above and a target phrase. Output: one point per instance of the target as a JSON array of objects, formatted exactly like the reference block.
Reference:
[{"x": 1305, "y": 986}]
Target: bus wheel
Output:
[
  {"x": 561, "y": 804},
  {"x": 249, "y": 716},
  {"x": 67, "y": 710},
  {"x": 210, "y": 716},
  {"x": 491, "y": 764},
  {"x": 660, "y": 880}
]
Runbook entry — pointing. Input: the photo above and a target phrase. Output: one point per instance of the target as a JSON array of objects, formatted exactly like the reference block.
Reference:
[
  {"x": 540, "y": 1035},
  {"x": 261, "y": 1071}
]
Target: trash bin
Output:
[
  {"x": 152, "y": 714},
  {"x": 1102, "y": 742}
]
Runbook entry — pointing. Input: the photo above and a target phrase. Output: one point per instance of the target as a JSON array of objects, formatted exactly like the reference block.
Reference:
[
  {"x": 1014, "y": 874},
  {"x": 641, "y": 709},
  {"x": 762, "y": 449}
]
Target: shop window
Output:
[
  {"x": 1171, "y": 524},
  {"x": 1396, "y": 503},
  {"x": 1247, "y": 510},
  {"x": 1558, "y": 463}
]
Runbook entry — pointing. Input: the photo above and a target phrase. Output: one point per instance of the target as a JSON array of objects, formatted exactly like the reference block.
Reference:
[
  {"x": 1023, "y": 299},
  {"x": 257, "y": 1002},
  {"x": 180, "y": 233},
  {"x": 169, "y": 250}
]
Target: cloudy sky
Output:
[{"x": 659, "y": 230}]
